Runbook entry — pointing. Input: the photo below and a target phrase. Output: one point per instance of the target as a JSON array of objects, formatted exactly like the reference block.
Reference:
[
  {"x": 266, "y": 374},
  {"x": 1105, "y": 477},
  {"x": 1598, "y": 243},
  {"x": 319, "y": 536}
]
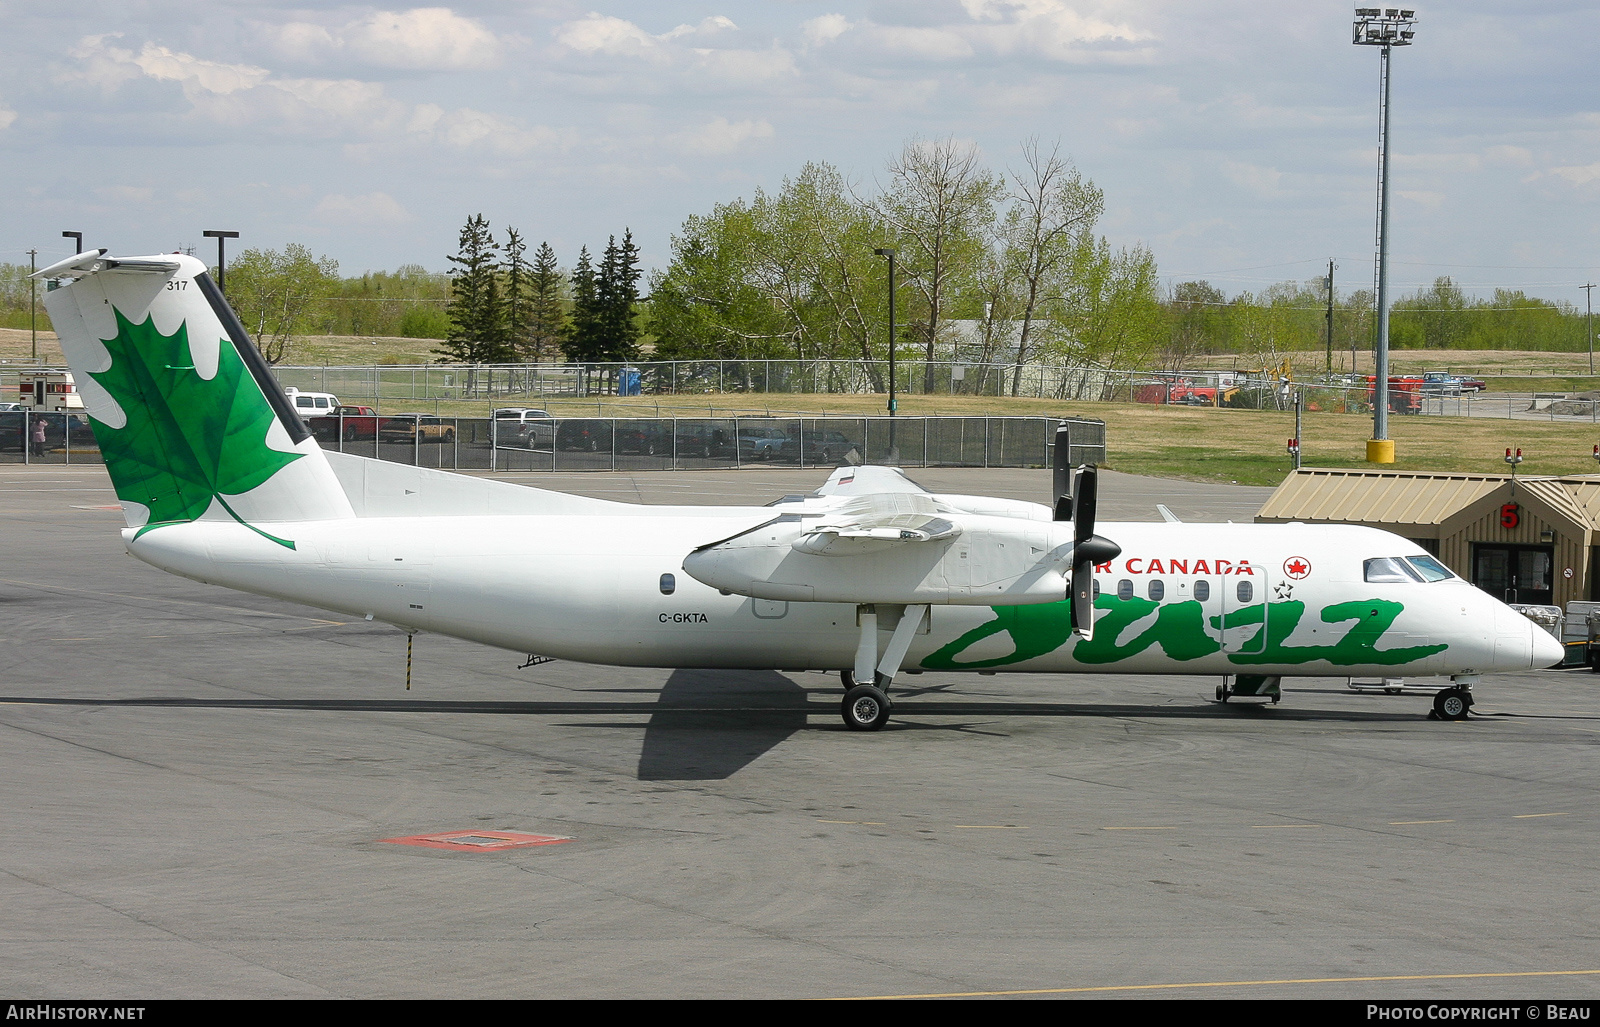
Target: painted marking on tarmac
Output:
[
  {"x": 1533, "y": 816},
  {"x": 1230, "y": 984},
  {"x": 479, "y": 841}
]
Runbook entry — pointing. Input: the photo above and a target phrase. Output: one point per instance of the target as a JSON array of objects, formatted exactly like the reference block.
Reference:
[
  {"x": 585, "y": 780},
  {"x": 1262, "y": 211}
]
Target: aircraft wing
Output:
[{"x": 867, "y": 480}]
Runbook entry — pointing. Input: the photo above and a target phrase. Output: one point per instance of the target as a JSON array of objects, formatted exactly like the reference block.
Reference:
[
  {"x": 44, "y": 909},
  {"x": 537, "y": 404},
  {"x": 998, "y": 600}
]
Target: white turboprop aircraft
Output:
[{"x": 221, "y": 482}]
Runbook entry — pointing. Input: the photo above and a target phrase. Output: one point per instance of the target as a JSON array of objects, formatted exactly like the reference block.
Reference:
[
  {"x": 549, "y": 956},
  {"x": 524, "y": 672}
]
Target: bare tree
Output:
[
  {"x": 940, "y": 203},
  {"x": 1053, "y": 210}
]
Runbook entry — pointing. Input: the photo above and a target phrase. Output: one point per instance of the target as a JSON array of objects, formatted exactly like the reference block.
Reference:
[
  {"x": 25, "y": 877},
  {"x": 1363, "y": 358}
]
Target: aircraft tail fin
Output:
[{"x": 188, "y": 417}]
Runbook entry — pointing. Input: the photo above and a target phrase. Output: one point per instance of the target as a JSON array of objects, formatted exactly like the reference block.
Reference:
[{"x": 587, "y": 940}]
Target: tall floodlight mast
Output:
[{"x": 1386, "y": 28}]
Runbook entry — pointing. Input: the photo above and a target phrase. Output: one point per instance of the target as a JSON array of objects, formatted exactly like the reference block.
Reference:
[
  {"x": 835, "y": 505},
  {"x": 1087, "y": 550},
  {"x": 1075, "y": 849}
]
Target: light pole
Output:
[
  {"x": 76, "y": 237},
  {"x": 1386, "y": 28},
  {"x": 894, "y": 453},
  {"x": 1588, "y": 321},
  {"x": 33, "y": 301},
  {"x": 222, "y": 286}
]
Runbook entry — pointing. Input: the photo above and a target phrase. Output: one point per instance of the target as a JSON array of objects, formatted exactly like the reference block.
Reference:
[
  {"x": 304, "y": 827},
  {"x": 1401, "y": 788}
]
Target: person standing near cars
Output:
[{"x": 38, "y": 437}]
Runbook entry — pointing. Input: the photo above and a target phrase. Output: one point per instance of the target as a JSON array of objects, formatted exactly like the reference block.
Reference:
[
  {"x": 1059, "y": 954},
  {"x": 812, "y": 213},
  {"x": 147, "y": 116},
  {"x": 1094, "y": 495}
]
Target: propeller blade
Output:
[
  {"x": 1061, "y": 475},
  {"x": 1088, "y": 549}
]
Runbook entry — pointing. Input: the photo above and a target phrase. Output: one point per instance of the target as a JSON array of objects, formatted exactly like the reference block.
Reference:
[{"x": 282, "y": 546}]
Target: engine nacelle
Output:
[{"x": 973, "y": 561}]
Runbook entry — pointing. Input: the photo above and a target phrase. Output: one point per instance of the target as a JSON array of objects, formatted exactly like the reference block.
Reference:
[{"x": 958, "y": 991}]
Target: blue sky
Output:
[{"x": 1235, "y": 140}]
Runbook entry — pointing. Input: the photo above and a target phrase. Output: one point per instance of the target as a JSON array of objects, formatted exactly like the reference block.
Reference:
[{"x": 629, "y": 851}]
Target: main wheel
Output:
[
  {"x": 865, "y": 708},
  {"x": 1451, "y": 704}
]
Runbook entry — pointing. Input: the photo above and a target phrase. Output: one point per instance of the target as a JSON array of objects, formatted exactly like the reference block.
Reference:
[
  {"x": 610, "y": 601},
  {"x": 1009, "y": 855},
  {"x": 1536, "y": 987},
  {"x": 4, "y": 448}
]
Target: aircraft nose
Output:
[{"x": 1547, "y": 652}]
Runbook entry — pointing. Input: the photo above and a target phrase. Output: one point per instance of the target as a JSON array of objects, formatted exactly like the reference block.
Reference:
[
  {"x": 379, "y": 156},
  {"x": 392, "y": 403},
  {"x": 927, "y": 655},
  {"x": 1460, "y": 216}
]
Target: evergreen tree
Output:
[
  {"x": 477, "y": 308},
  {"x": 619, "y": 296},
  {"x": 546, "y": 319},
  {"x": 517, "y": 283},
  {"x": 582, "y": 336}
]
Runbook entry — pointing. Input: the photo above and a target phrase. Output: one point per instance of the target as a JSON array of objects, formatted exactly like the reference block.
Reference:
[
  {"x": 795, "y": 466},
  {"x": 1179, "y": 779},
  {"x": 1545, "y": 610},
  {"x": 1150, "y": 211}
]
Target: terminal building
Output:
[{"x": 1521, "y": 539}]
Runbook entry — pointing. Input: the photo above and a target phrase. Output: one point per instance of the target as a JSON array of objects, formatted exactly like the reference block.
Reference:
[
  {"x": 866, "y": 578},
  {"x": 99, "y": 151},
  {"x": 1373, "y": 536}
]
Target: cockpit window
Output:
[
  {"x": 1385, "y": 569},
  {"x": 1431, "y": 569}
]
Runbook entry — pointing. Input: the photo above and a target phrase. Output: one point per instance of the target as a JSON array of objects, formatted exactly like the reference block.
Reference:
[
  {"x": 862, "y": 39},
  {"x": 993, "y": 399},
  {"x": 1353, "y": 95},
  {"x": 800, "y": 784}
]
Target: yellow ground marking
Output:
[
  {"x": 1403, "y": 823},
  {"x": 1232, "y": 984},
  {"x": 1531, "y": 816},
  {"x": 1138, "y": 829}
]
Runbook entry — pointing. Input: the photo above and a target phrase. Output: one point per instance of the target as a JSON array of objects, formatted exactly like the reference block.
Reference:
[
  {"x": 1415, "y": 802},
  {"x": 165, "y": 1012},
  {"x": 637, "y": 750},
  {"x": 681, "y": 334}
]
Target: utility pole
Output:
[
  {"x": 894, "y": 452},
  {"x": 33, "y": 301},
  {"x": 219, "y": 236},
  {"x": 1588, "y": 321},
  {"x": 1330, "y": 320}
]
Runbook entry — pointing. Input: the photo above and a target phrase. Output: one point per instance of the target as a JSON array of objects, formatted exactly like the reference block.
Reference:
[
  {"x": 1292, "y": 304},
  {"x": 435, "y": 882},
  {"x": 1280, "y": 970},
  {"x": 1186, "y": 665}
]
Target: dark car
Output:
[
  {"x": 816, "y": 446},
  {"x": 704, "y": 440},
  {"x": 646, "y": 438},
  {"x": 589, "y": 436}
]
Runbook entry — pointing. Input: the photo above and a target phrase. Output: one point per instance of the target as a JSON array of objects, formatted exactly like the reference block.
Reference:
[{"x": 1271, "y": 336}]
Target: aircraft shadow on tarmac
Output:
[{"x": 709, "y": 724}]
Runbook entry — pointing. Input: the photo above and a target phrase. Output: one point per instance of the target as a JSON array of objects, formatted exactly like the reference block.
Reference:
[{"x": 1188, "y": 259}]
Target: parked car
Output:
[
  {"x": 760, "y": 442},
  {"x": 590, "y": 436},
  {"x": 646, "y": 438},
  {"x": 823, "y": 447},
  {"x": 703, "y": 440},
  {"x": 1440, "y": 383},
  {"x": 312, "y": 404},
  {"x": 525, "y": 427},
  {"x": 348, "y": 423},
  {"x": 417, "y": 428}
]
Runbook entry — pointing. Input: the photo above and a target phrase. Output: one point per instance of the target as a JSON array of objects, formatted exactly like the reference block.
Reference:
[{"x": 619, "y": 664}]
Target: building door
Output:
[{"x": 1515, "y": 574}]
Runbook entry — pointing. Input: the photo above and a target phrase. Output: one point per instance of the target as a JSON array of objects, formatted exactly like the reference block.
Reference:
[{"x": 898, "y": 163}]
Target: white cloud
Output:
[
  {"x": 722, "y": 136},
  {"x": 369, "y": 209},
  {"x": 240, "y": 95},
  {"x": 604, "y": 34},
  {"x": 1251, "y": 177},
  {"x": 7, "y": 117},
  {"x": 825, "y": 29},
  {"x": 1580, "y": 176},
  {"x": 126, "y": 193},
  {"x": 424, "y": 39}
]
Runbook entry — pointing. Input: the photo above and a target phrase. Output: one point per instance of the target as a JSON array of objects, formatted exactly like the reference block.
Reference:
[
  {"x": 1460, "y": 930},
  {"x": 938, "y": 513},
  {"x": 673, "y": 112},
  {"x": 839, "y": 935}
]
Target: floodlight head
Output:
[{"x": 884, "y": 251}]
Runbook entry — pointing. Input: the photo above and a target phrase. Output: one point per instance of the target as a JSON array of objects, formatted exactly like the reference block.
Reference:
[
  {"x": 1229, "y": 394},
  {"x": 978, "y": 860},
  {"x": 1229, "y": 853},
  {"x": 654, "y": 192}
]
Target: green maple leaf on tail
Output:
[{"x": 187, "y": 440}]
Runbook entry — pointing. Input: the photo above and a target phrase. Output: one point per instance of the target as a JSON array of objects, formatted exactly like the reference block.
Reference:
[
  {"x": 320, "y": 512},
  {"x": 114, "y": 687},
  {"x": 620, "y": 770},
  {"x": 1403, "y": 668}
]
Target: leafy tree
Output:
[
  {"x": 477, "y": 310},
  {"x": 940, "y": 202},
  {"x": 1053, "y": 211},
  {"x": 275, "y": 294}
]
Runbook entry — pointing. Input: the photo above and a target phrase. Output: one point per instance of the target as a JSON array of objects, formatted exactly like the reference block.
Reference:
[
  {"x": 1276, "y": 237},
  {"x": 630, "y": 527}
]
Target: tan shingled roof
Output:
[{"x": 1377, "y": 497}]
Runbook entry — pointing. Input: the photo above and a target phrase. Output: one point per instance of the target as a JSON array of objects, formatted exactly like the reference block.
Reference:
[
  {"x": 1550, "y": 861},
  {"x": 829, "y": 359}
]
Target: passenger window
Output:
[
  {"x": 669, "y": 584},
  {"x": 1156, "y": 589},
  {"x": 1244, "y": 591},
  {"x": 1431, "y": 569},
  {"x": 1125, "y": 589},
  {"x": 303, "y": 401},
  {"x": 1387, "y": 570},
  {"x": 1202, "y": 590}
]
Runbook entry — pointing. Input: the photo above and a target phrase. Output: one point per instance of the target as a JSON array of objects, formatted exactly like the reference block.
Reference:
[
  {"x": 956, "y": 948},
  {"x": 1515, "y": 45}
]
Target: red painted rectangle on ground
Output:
[{"x": 478, "y": 841}]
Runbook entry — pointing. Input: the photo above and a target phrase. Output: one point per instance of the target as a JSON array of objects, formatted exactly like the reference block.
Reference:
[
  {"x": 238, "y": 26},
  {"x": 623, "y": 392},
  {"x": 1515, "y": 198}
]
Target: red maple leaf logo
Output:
[{"x": 1297, "y": 567}]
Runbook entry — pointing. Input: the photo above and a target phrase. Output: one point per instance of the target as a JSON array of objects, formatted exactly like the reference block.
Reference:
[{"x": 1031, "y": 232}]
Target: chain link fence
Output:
[{"x": 628, "y": 444}]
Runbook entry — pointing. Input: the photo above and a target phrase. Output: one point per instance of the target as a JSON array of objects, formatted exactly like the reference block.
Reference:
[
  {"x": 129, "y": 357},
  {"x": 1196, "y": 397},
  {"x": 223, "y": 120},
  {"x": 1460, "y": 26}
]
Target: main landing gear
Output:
[
  {"x": 1451, "y": 704},
  {"x": 866, "y": 707}
]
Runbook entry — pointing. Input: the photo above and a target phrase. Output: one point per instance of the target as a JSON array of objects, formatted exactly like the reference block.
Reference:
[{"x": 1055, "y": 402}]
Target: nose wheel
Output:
[{"x": 865, "y": 708}]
